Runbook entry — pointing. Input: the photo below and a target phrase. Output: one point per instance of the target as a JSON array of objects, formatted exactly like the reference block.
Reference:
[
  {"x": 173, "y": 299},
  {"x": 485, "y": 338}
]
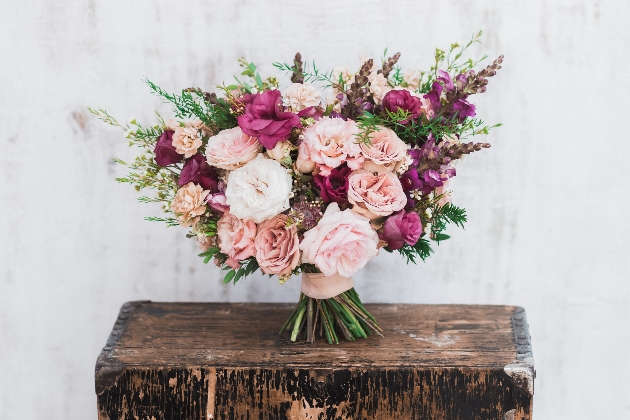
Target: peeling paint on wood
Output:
[{"x": 226, "y": 361}]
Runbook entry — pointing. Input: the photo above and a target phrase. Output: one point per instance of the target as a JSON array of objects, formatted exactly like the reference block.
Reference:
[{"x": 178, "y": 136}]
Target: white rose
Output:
[
  {"x": 300, "y": 96},
  {"x": 259, "y": 190}
]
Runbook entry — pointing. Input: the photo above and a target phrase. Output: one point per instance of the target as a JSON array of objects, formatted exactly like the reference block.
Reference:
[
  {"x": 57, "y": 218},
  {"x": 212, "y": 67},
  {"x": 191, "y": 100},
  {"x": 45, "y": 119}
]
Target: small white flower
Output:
[
  {"x": 429, "y": 212},
  {"x": 254, "y": 90},
  {"x": 427, "y": 229}
]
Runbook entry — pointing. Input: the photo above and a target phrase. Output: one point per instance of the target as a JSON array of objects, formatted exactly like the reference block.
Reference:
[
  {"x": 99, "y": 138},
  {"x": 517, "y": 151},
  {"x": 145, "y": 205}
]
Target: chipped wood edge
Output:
[
  {"x": 522, "y": 370},
  {"x": 107, "y": 368}
]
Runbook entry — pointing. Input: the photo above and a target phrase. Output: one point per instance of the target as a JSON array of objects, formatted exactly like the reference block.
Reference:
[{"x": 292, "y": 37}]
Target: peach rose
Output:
[
  {"x": 231, "y": 149},
  {"x": 342, "y": 242},
  {"x": 384, "y": 152},
  {"x": 236, "y": 238},
  {"x": 375, "y": 194},
  {"x": 328, "y": 143},
  {"x": 187, "y": 138},
  {"x": 189, "y": 204},
  {"x": 277, "y": 246},
  {"x": 411, "y": 78}
]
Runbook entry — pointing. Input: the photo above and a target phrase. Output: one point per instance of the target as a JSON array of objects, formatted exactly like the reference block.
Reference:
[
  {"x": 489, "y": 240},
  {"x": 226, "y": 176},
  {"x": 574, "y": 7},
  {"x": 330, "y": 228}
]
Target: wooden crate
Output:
[{"x": 202, "y": 361}]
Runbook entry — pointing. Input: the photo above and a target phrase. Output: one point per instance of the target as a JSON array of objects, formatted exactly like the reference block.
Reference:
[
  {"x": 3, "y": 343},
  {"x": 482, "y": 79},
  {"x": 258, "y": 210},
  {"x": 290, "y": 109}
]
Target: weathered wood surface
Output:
[{"x": 227, "y": 361}]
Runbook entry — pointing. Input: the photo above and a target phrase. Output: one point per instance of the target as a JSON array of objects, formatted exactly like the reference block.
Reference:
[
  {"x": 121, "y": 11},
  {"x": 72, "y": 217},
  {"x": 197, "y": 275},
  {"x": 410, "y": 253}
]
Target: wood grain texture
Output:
[{"x": 227, "y": 361}]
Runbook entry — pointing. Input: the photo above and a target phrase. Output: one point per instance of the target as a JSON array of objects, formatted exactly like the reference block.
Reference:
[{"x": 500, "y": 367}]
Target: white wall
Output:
[{"x": 548, "y": 225}]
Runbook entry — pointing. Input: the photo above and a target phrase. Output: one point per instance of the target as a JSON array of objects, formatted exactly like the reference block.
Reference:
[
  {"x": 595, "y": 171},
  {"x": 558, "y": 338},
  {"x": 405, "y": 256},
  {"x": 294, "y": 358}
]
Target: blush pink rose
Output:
[
  {"x": 277, "y": 246},
  {"x": 376, "y": 194},
  {"x": 231, "y": 149},
  {"x": 236, "y": 238},
  {"x": 342, "y": 242},
  {"x": 385, "y": 151},
  {"x": 329, "y": 143}
]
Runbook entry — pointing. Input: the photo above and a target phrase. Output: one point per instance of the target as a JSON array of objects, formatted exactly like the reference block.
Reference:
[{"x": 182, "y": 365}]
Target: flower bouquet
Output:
[{"x": 285, "y": 181}]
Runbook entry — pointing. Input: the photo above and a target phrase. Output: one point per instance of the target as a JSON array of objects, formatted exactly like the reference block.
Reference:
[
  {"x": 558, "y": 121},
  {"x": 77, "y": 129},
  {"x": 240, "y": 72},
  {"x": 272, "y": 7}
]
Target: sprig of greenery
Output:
[
  {"x": 422, "y": 250},
  {"x": 310, "y": 72},
  {"x": 247, "y": 267},
  {"x": 170, "y": 221}
]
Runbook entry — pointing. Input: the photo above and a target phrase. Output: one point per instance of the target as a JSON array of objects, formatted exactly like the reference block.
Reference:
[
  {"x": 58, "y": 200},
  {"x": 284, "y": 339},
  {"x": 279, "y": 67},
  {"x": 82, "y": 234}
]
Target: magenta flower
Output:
[
  {"x": 410, "y": 180},
  {"x": 401, "y": 228},
  {"x": 265, "y": 118},
  {"x": 197, "y": 170},
  {"x": 335, "y": 186},
  {"x": 402, "y": 99},
  {"x": 165, "y": 153},
  {"x": 311, "y": 112}
]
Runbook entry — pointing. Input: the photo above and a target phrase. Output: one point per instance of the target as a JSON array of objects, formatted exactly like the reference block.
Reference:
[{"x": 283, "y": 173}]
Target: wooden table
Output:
[{"x": 207, "y": 361}]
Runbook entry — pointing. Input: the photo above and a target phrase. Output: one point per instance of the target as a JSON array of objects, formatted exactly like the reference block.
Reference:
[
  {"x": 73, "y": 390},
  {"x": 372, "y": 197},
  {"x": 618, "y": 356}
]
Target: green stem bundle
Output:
[{"x": 343, "y": 313}]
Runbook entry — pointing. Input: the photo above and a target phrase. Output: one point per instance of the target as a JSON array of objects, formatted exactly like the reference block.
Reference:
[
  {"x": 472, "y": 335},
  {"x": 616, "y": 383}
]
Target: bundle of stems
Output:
[{"x": 344, "y": 313}]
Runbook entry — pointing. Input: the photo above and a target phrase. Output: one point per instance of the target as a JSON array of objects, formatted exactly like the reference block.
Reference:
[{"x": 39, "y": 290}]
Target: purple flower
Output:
[
  {"x": 415, "y": 155},
  {"x": 463, "y": 108},
  {"x": 432, "y": 178},
  {"x": 410, "y": 180},
  {"x": 165, "y": 153},
  {"x": 434, "y": 97},
  {"x": 402, "y": 99},
  {"x": 445, "y": 78},
  {"x": 335, "y": 186},
  {"x": 197, "y": 170},
  {"x": 265, "y": 118},
  {"x": 401, "y": 228}
]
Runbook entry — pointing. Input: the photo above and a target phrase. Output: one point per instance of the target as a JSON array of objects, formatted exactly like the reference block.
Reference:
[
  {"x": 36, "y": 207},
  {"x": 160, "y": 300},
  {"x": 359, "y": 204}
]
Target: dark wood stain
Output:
[{"x": 227, "y": 361}]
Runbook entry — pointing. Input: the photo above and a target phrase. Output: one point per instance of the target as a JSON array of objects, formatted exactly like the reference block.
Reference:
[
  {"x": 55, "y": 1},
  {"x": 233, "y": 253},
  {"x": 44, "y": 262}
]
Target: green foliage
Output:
[
  {"x": 247, "y": 267},
  {"x": 190, "y": 104},
  {"x": 311, "y": 73},
  {"x": 170, "y": 221},
  {"x": 422, "y": 249}
]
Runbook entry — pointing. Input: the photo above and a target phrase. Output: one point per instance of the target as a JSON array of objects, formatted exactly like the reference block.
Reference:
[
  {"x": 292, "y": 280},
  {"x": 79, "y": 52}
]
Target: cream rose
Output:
[
  {"x": 231, "y": 149},
  {"x": 375, "y": 194},
  {"x": 277, "y": 246},
  {"x": 342, "y": 242},
  {"x": 186, "y": 139},
  {"x": 378, "y": 86},
  {"x": 384, "y": 152},
  {"x": 327, "y": 144},
  {"x": 236, "y": 238},
  {"x": 259, "y": 190},
  {"x": 341, "y": 73},
  {"x": 189, "y": 204},
  {"x": 411, "y": 78},
  {"x": 300, "y": 96}
]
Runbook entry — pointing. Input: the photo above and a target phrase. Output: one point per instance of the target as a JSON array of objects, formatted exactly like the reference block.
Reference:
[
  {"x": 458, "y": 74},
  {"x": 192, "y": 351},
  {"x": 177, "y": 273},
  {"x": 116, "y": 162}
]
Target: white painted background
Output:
[{"x": 547, "y": 203}]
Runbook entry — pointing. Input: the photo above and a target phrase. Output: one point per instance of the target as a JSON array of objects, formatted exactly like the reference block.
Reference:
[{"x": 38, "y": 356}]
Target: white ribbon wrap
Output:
[{"x": 318, "y": 286}]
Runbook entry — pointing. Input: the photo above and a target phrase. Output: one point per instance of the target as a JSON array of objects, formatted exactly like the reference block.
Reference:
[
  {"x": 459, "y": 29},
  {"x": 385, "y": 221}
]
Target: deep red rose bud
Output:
[
  {"x": 165, "y": 153},
  {"x": 402, "y": 99},
  {"x": 197, "y": 170},
  {"x": 335, "y": 186}
]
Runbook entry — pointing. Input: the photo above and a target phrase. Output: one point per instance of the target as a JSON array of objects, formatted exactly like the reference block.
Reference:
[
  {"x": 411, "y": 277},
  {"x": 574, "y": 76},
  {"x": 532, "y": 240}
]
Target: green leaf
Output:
[
  {"x": 440, "y": 237},
  {"x": 259, "y": 81},
  {"x": 228, "y": 277},
  {"x": 252, "y": 67},
  {"x": 239, "y": 274}
]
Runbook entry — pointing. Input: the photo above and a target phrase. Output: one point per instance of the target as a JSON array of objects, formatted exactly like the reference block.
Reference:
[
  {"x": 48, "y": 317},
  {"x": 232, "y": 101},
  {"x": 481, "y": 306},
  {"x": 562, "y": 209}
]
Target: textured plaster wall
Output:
[{"x": 547, "y": 203}]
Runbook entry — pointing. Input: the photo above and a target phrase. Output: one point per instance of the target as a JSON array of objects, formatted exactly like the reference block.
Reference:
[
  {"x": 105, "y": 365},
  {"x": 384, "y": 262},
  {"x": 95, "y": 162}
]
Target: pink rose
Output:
[
  {"x": 327, "y": 144},
  {"x": 376, "y": 194},
  {"x": 236, "y": 238},
  {"x": 384, "y": 152},
  {"x": 342, "y": 242},
  {"x": 277, "y": 246},
  {"x": 231, "y": 149}
]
